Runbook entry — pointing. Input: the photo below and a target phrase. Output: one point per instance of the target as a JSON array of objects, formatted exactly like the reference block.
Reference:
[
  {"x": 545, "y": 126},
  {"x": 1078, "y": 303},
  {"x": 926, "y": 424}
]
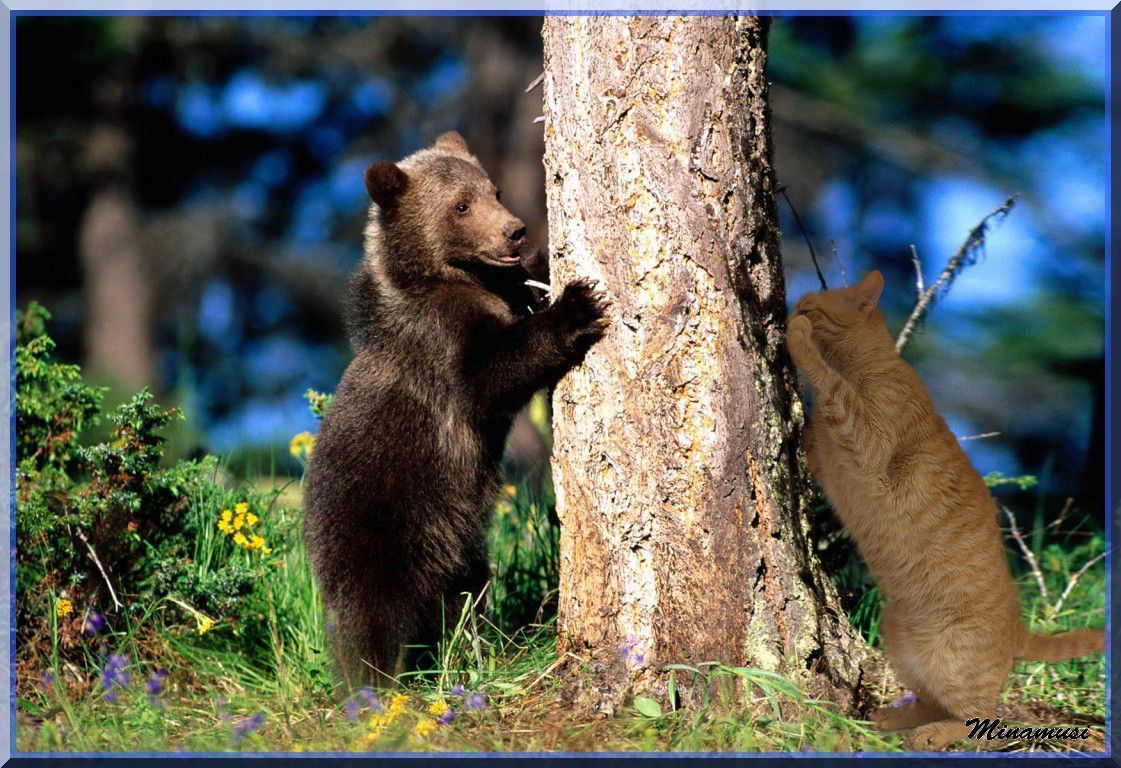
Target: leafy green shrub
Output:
[{"x": 105, "y": 529}]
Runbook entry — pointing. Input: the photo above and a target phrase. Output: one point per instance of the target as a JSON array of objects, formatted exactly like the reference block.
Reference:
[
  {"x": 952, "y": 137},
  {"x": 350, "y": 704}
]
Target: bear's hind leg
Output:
[{"x": 368, "y": 646}]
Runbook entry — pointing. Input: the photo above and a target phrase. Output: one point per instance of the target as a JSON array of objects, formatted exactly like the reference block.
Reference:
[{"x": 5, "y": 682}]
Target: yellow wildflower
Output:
[
  {"x": 424, "y": 727},
  {"x": 379, "y": 721},
  {"x": 225, "y": 522},
  {"x": 240, "y": 540},
  {"x": 63, "y": 608},
  {"x": 241, "y": 508},
  {"x": 511, "y": 490},
  {"x": 397, "y": 705},
  {"x": 251, "y": 519},
  {"x": 302, "y": 445},
  {"x": 539, "y": 413},
  {"x": 438, "y": 708},
  {"x": 205, "y": 624},
  {"x": 318, "y": 401}
]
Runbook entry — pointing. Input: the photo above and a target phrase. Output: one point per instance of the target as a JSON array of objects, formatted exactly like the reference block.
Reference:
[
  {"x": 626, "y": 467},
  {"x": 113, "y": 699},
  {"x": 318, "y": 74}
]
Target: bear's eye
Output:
[
  {"x": 461, "y": 208},
  {"x": 498, "y": 195}
]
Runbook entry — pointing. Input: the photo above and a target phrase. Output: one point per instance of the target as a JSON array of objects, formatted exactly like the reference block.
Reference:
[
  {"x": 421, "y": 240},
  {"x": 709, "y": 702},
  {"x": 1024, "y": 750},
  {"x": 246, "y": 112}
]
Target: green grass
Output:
[{"x": 220, "y": 679}]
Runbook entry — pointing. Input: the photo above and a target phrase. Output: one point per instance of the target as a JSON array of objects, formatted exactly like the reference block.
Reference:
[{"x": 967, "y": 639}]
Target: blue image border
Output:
[{"x": 8, "y": 753}]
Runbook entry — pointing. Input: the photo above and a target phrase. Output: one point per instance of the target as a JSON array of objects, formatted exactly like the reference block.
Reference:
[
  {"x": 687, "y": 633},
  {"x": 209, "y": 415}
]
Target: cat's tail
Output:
[{"x": 1065, "y": 645}]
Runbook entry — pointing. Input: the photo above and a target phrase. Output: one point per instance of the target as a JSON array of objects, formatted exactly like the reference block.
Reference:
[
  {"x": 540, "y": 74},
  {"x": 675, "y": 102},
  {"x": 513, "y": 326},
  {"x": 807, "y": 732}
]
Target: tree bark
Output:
[{"x": 679, "y": 476}]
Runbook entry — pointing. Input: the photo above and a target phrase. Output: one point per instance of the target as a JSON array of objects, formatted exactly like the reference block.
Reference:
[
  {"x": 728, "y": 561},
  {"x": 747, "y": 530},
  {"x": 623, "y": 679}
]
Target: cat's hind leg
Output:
[
  {"x": 967, "y": 691},
  {"x": 936, "y": 736}
]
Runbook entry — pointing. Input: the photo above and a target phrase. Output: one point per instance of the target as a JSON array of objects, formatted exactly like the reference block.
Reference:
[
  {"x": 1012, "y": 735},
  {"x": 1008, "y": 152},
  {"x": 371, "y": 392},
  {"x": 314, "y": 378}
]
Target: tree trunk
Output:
[
  {"x": 119, "y": 343},
  {"x": 679, "y": 476}
]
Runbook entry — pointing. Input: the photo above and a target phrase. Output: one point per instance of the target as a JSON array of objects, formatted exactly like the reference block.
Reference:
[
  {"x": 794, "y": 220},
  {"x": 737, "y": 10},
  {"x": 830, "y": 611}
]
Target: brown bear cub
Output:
[{"x": 447, "y": 350}]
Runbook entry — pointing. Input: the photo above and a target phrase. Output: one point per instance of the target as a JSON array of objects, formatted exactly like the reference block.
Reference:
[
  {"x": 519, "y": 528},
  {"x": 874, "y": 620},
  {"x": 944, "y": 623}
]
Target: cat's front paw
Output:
[
  {"x": 582, "y": 310},
  {"x": 798, "y": 340}
]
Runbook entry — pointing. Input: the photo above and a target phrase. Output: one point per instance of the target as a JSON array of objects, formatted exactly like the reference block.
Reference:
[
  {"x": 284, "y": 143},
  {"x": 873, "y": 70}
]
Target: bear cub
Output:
[{"x": 447, "y": 350}]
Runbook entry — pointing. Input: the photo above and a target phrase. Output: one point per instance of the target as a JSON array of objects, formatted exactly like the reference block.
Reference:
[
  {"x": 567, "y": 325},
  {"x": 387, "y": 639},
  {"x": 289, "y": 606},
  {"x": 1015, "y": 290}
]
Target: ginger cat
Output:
[{"x": 921, "y": 518}]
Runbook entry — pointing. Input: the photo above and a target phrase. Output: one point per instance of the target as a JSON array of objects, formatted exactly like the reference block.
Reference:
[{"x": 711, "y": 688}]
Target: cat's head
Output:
[{"x": 836, "y": 314}]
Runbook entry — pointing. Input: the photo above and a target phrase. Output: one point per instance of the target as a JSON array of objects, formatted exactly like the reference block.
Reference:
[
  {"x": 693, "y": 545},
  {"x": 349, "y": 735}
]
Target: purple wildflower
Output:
[
  {"x": 154, "y": 686},
  {"x": 46, "y": 680},
  {"x": 93, "y": 624},
  {"x": 458, "y": 690},
  {"x": 114, "y": 675},
  {"x": 364, "y": 698},
  {"x": 475, "y": 701},
  {"x": 447, "y": 717},
  {"x": 246, "y": 726},
  {"x": 904, "y": 700}
]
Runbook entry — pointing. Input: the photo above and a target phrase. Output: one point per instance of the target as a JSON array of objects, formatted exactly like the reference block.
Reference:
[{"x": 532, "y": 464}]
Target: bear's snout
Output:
[{"x": 515, "y": 231}]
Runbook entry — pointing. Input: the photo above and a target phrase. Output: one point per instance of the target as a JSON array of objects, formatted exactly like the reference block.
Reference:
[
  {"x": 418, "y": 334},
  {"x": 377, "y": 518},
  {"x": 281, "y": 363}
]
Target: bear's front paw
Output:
[{"x": 582, "y": 309}]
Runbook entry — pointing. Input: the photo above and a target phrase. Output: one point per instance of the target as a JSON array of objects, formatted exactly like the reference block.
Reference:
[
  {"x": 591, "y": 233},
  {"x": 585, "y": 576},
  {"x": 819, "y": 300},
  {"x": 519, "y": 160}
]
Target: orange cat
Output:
[{"x": 921, "y": 517}]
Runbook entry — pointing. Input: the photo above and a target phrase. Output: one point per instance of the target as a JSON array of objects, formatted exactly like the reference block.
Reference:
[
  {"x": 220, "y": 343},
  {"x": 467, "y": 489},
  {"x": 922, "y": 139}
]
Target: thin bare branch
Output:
[
  {"x": 982, "y": 436},
  {"x": 1054, "y": 524},
  {"x": 919, "y": 288},
  {"x": 93, "y": 556},
  {"x": 536, "y": 82},
  {"x": 966, "y": 254},
  {"x": 1074, "y": 580},
  {"x": 840, "y": 264},
  {"x": 805, "y": 235},
  {"x": 1033, "y": 564}
]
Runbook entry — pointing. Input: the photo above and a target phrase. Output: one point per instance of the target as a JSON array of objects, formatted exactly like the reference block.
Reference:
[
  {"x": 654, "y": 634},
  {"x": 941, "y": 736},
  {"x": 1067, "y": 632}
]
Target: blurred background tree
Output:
[{"x": 190, "y": 200}]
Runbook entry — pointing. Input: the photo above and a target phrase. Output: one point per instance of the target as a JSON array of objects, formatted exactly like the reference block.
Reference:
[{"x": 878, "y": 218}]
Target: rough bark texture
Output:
[{"x": 677, "y": 464}]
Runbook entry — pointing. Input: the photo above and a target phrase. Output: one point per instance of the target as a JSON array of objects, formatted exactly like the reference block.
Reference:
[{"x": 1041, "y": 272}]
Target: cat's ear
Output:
[{"x": 869, "y": 289}]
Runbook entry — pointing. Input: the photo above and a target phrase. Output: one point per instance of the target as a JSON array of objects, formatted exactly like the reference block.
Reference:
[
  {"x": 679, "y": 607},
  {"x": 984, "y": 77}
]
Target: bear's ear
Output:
[
  {"x": 869, "y": 289},
  {"x": 385, "y": 182},
  {"x": 452, "y": 142}
]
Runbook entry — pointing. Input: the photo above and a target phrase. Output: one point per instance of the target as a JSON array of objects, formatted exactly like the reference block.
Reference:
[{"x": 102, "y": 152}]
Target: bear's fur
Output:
[{"x": 447, "y": 350}]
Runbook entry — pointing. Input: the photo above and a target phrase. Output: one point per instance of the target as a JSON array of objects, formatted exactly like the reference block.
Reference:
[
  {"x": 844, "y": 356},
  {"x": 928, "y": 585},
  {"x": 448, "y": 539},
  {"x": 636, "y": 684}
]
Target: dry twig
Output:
[
  {"x": 1054, "y": 524},
  {"x": 100, "y": 568},
  {"x": 1074, "y": 580},
  {"x": 798, "y": 221},
  {"x": 919, "y": 288},
  {"x": 1033, "y": 564},
  {"x": 982, "y": 436},
  {"x": 840, "y": 264},
  {"x": 966, "y": 254}
]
